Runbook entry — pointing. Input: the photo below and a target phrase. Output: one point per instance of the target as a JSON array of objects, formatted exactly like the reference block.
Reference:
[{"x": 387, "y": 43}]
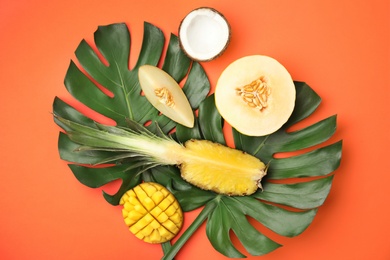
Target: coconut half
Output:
[{"x": 204, "y": 34}]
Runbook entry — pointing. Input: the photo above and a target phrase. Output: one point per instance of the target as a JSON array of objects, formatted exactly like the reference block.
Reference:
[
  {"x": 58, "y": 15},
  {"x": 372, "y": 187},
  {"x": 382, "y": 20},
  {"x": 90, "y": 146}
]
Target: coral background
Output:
[{"x": 340, "y": 48}]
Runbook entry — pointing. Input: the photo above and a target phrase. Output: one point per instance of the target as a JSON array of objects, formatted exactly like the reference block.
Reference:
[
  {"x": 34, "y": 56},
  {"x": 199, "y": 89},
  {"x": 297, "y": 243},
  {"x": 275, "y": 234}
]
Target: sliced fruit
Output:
[
  {"x": 151, "y": 212},
  {"x": 207, "y": 165},
  {"x": 204, "y": 34},
  {"x": 165, "y": 94},
  {"x": 212, "y": 166},
  {"x": 255, "y": 95}
]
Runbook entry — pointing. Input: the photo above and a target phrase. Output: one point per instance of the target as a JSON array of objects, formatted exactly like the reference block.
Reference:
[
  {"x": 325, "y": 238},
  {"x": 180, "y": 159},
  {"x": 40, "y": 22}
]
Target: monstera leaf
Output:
[
  {"x": 307, "y": 178},
  {"x": 294, "y": 188},
  {"x": 90, "y": 84}
]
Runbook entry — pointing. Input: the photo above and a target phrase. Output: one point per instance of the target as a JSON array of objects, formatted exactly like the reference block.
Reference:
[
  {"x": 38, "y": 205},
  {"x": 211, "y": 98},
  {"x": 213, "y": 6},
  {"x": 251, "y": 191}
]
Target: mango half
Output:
[
  {"x": 255, "y": 95},
  {"x": 151, "y": 212}
]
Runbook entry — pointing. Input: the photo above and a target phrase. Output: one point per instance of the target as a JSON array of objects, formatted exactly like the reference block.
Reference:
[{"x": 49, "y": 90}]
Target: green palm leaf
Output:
[
  {"x": 286, "y": 208},
  {"x": 89, "y": 83},
  {"x": 305, "y": 195}
]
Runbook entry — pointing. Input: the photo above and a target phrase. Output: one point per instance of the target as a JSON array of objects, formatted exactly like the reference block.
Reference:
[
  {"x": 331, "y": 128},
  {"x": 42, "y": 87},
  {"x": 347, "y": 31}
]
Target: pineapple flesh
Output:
[
  {"x": 207, "y": 165},
  {"x": 151, "y": 212},
  {"x": 212, "y": 166}
]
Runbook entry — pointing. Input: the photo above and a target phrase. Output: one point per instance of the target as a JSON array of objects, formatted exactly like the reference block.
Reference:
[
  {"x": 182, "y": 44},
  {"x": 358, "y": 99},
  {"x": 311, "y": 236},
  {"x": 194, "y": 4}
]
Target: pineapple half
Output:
[
  {"x": 207, "y": 165},
  {"x": 212, "y": 166}
]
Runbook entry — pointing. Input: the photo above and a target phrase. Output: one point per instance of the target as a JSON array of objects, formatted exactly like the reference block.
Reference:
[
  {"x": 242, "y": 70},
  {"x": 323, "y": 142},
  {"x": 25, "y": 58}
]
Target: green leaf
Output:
[
  {"x": 207, "y": 126},
  {"x": 289, "y": 223},
  {"x": 176, "y": 63},
  {"x": 67, "y": 150},
  {"x": 319, "y": 162},
  {"x": 307, "y": 196},
  {"x": 317, "y": 133},
  {"x": 199, "y": 220},
  {"x": 189, "y": 196},
  {"x": 113, "y": 42},
  {"x": 227, "y": 217},
  {"x": 210, "y": 121},
  {"x": 197, "y": 85},
  {"x": 304, "y": 195},
  {"x": 307, "y": 101},
  {"x": 184, "y": 133},
  {"x": 107, "y": 69},
  {"x": 102, "y": 80},
  {"x": 62, "y": 109},
  {"x": 97, "y": 177}
]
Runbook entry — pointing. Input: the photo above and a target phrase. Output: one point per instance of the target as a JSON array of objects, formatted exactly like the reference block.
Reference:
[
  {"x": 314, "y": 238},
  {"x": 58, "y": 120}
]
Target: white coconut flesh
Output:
[
  {"x": 204, "y": 34},
  {"x": 237, "y": 101}
]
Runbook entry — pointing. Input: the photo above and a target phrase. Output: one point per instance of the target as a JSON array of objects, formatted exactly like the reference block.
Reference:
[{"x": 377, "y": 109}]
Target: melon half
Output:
[{"x": 255, "y": 95}]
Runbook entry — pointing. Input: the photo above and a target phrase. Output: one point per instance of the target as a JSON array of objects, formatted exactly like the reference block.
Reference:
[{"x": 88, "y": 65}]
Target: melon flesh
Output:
[
  {"x": 242, "y": 115},
  {"x": 166, "y": 95}
]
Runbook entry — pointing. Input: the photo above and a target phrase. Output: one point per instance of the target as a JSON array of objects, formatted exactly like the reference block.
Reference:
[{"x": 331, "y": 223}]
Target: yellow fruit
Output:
[
  {"x": 151, "y": 212},
  {"x": 255, "y": 95},
  {"x": 207, "y": 165},
  {"x": 166, "y": 95},
  {"x": 215, "y": 167}
]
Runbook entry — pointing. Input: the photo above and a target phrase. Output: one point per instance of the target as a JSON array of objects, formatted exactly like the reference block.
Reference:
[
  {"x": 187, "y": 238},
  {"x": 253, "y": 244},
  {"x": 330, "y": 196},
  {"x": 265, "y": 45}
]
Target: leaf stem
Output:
[
  {"x": 171, "y": 253},
  {"x": 166, "y": 247}
]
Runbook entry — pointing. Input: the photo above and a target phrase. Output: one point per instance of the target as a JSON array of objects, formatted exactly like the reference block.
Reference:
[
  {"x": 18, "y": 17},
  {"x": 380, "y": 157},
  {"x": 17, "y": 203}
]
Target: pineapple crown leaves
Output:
[
  {"x": 126, "y": 104},
  {"x": 130, "y": 111}
]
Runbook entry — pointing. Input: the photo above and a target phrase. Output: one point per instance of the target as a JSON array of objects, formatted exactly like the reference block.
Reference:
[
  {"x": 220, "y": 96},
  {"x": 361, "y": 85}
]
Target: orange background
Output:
[{"x": 340, "y": 48}]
